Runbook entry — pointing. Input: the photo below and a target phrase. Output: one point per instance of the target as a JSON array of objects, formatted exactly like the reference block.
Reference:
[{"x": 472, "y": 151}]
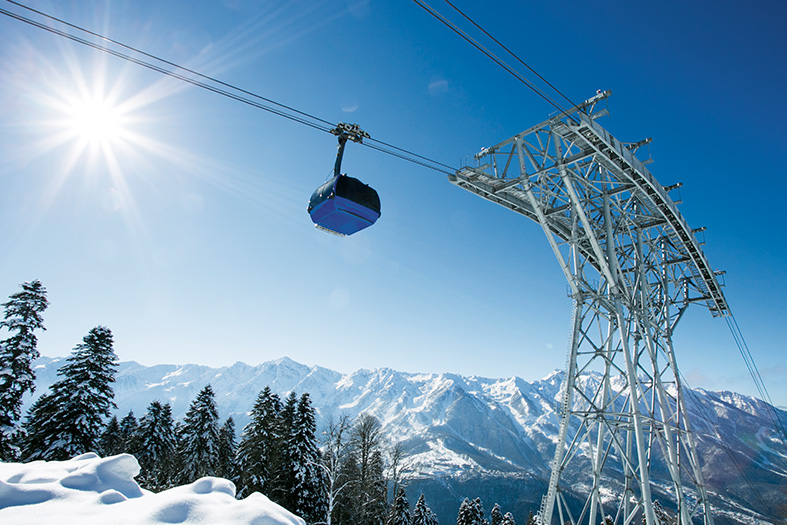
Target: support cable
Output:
[
  {"x": 496, "y": 41},
  {"x": 494, "y": 58},
  {"x": 159, "y": 69},
  {"x": 731, "y": 322},
  {"x": 703, "y": 413},
  {"x": 164, "y": 61},
  {"x": 409, "y": 156},
  {"x": 756, "y": 377},
  {"x": 291, "y": 113},
  {"x": 326, "y": 126},
  {"x": 225, "y": 89}
]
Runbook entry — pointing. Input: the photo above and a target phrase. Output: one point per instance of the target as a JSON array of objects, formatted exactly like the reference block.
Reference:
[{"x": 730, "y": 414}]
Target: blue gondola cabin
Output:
[{"x": 344, "y": 205}]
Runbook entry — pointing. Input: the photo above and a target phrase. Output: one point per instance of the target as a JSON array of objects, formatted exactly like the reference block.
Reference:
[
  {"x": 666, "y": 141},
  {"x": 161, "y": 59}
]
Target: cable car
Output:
[{"x": 344, "y": 205}]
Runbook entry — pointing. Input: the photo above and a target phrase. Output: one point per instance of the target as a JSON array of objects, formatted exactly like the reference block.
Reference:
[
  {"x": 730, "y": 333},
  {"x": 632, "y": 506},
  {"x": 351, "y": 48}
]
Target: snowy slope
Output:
[
  {"x": 458, "y": 427},
  {"x": 92, "y": 490}
]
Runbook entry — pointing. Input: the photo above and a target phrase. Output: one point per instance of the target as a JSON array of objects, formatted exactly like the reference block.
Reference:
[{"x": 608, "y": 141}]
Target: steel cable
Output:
[
  {"x": 231, "y": 90},
  {"x": 453, "y": 27}
]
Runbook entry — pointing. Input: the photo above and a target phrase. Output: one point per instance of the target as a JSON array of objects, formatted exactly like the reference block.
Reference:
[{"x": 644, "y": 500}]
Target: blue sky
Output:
[{"x": 187, "y": 234}]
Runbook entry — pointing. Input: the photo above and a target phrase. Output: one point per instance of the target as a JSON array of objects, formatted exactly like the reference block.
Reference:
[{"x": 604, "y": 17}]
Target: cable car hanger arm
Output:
[{"x": 344, "y": 132}]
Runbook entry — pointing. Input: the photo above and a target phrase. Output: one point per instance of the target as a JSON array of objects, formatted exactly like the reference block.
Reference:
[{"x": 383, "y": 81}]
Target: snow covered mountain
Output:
[{"x": 474, "y": 436}]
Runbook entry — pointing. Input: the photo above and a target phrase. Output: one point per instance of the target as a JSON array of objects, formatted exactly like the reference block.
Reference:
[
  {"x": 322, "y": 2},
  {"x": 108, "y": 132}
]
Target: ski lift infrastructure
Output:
[
  {"x": 344, "y": 205},
  {"x": 633, "y": 266}
]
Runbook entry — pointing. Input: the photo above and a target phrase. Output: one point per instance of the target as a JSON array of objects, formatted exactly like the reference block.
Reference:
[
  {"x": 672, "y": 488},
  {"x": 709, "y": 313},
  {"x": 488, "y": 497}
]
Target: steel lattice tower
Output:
[{"x": 633, "y": 266}]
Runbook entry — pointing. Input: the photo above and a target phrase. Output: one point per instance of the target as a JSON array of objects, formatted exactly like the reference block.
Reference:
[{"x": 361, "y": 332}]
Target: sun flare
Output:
[{"x": 95, "y": 121}]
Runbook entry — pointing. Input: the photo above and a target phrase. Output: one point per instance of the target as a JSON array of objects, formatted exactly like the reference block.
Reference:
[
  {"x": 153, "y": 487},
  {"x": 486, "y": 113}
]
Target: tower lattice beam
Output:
[{"x": 633, "y": 267}]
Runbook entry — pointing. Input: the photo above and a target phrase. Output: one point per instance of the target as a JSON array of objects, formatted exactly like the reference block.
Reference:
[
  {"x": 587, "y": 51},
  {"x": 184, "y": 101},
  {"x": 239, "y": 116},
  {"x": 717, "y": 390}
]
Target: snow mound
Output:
[{"x": 92, "y": 490}]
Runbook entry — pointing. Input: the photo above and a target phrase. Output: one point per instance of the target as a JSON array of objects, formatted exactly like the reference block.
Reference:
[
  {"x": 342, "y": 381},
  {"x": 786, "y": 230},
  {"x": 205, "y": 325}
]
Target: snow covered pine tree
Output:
[
  {"x": 17, "y": 353},
  {"x": 157, "y": 447},
  {"x": 401, "y": 509},
  {"x": 423, "y": 515},
  {"x": 471, "y": 513},
  {"x": 496, "y": 516},
  {"x": 128, "y": 433},
  {"x": 110, "y": 443},
  {"x": 281, "y": 488},
  {"x": 466, "y": 514},
  {"x": 309, "y": 496},
  {"x": 227, "y": 467},
  {"x": 199, "y": 437},
  {"x": 68, "y": 420},
  {"x": 258, "y": 445}
]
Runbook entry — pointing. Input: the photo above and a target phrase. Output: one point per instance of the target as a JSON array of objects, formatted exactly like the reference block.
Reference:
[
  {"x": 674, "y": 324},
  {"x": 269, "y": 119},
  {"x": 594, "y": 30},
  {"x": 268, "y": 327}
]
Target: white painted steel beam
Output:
[{"x": 633, "y": 266}]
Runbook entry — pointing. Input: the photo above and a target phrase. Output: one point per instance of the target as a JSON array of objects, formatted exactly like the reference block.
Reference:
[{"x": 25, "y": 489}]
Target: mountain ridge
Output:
[{"x": 459, "y": 428}]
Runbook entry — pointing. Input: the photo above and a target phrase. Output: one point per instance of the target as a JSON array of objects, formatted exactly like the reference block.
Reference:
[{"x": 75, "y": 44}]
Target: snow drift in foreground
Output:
[{"x": 89, "y": 489}]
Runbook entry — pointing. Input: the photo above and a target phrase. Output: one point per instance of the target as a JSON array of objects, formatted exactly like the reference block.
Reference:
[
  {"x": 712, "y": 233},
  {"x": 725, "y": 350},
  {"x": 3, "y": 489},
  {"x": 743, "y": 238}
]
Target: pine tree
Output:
[
  {"x": 308, "y": 489},
  {"x": 496, "y": 516},
  {"x": 347, "y": 509},
  {"x": 199, "y": 437},
  {"x": 471, "y": 513},
  {"x": 17, "y": 353},
  {"x": 662, "y": 516},
  {"x": 508, "y": 519},
  {"x": 69, "y": 420},
  {"x": 401, "y": 509},
  {"x": 466, "y": 514},
  {"x": 376, "y": 493},
  {"x": 258, "y": 445},
  {"x": 178, "y": 460},
  {"x": 111, "y": 443},
  {"x": 228, "y": 449},
  {"x": 423, "y": 515},
  {"x": 282, "y": 463},
  {"x": 40, "y": 428},
  {"x": 531, "y": 519},
  {"x": 479, "y": 511},
  {"x": 157, "y": 447},
  {"x": 396, "y": 467},
  {"x": 128, "y": 433}
]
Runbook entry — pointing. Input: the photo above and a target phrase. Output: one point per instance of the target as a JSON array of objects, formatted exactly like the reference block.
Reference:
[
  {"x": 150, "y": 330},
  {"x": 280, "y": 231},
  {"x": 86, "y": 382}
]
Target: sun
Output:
[
  {"x": 93, "y": 120},
  {"x": 89, "y": 109},
  {"x": 95, "y": 125}
]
